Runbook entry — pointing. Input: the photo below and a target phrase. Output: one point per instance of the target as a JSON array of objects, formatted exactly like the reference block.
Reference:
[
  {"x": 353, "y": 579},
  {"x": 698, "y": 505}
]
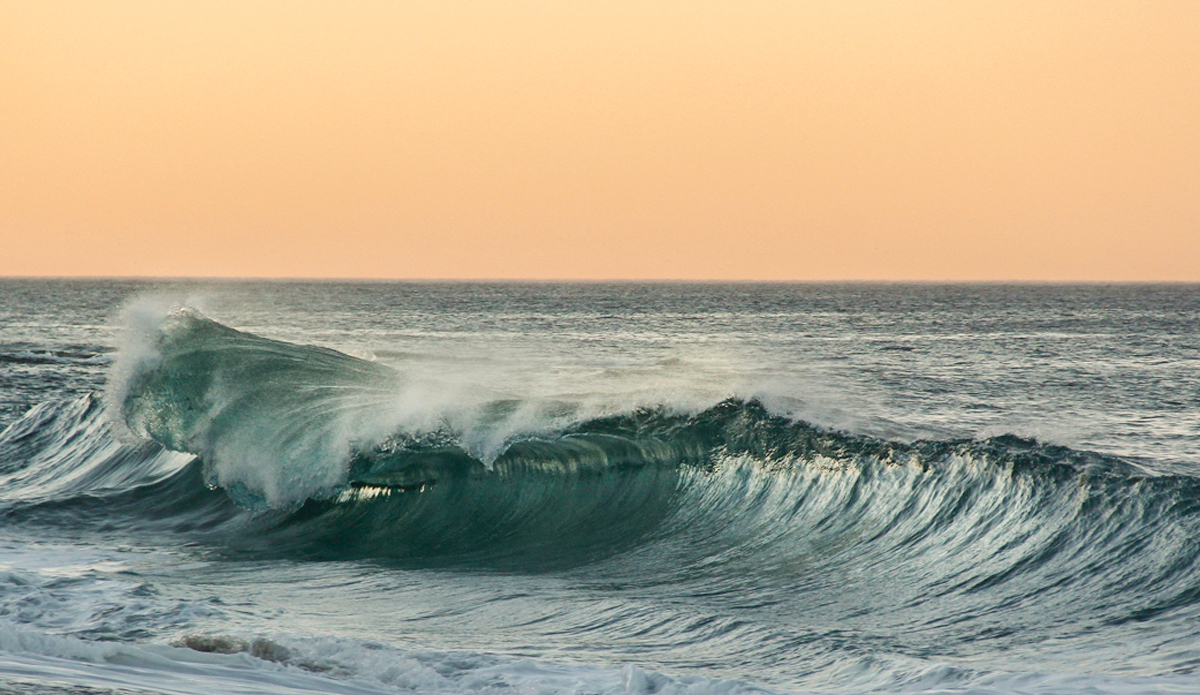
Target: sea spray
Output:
[{"x": 263, "y": 415}]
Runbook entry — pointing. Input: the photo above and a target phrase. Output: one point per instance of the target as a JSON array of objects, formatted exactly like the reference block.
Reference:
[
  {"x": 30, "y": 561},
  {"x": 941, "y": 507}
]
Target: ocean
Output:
[{"x": 414, "y": 487}]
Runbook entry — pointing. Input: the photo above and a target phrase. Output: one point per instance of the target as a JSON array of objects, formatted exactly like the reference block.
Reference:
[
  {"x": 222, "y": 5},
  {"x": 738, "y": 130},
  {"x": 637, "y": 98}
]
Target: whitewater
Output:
[{"x": 339, "y": 487}]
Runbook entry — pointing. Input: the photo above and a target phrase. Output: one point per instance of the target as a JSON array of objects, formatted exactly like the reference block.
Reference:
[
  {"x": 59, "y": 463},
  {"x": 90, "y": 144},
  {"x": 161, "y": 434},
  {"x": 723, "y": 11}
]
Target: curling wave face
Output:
[{"x": 273, "y": 419}]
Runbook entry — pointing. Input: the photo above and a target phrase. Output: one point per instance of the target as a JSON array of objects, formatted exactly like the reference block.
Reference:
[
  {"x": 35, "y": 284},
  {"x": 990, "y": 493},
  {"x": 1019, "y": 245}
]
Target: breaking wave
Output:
[{"x": 272, "y": 447}]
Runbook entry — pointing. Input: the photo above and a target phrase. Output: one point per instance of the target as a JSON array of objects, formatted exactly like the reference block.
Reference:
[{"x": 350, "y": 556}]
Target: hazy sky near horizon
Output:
[{"x": 570, "y": 139}]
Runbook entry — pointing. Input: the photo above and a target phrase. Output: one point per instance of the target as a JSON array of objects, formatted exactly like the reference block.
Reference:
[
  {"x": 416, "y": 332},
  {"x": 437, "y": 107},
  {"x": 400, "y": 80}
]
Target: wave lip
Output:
[
  {"x": 276, "y": 424},
  {"x": 274, "y": 420}
]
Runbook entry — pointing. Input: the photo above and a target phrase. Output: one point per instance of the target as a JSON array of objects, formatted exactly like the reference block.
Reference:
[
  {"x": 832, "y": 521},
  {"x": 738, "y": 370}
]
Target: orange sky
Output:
[{"x": 753, "y": 139}]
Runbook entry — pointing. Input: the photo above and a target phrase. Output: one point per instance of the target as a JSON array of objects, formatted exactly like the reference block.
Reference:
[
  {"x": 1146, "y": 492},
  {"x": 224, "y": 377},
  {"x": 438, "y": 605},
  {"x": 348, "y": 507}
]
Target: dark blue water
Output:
[{"x": 377, "y": 487}]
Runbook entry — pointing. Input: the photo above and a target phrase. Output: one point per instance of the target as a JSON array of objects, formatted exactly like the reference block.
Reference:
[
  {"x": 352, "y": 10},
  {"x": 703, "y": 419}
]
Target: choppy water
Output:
[{"x": 595, "y": 488}]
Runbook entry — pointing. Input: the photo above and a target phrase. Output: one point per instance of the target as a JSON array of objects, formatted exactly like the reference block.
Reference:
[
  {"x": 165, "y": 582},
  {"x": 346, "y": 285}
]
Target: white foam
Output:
[
  {"x": 136, "y": 352},
  {"x": 319, "y": 665},
  {"x": 301, "y": 666}
]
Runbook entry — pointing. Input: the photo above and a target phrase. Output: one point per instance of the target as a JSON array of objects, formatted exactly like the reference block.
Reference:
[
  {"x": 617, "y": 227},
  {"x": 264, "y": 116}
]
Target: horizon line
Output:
[{"x": 548, "y": 281}]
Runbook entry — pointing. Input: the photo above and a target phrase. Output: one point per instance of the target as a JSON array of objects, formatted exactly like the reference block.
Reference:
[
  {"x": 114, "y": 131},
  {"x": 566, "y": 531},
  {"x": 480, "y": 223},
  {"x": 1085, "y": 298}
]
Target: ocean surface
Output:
[{"x": 348, "y": 488}]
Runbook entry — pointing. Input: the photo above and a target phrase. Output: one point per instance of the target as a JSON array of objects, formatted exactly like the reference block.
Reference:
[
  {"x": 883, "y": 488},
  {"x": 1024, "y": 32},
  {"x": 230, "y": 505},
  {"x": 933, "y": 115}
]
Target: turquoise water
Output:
[{"x": 399, "y": 487}]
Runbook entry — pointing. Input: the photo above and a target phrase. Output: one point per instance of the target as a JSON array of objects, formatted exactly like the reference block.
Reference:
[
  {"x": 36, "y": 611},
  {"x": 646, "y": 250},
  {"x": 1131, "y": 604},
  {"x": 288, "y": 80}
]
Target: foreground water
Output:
[{"x": 365, "y": 488}]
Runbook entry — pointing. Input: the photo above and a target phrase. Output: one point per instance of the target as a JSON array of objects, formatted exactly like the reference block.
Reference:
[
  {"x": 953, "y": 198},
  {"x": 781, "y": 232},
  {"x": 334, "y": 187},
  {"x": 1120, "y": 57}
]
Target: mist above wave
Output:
[{"x": 284, "y": 421}]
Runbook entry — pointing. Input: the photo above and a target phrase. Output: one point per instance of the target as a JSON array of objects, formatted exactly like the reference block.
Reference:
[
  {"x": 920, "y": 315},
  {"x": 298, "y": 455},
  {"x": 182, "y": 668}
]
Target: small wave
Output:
[
  {"x": 61, "y": 466},
  {"x": 62, "y": 449},
  {"x": 17, "y": 354}
]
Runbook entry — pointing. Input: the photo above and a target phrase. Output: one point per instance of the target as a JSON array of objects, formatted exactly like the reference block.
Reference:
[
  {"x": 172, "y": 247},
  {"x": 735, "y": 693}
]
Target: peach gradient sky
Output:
[{"x": 768, "y": 140}]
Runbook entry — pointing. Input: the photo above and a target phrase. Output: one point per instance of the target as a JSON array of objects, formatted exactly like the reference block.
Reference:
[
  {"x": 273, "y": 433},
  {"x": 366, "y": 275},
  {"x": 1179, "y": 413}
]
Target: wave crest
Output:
[{"x": 270, "y": 417}]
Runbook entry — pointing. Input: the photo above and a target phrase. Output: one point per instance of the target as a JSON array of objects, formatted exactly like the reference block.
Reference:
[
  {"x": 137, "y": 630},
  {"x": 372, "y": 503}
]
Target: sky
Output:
[{"x": 980, "y": 140}]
